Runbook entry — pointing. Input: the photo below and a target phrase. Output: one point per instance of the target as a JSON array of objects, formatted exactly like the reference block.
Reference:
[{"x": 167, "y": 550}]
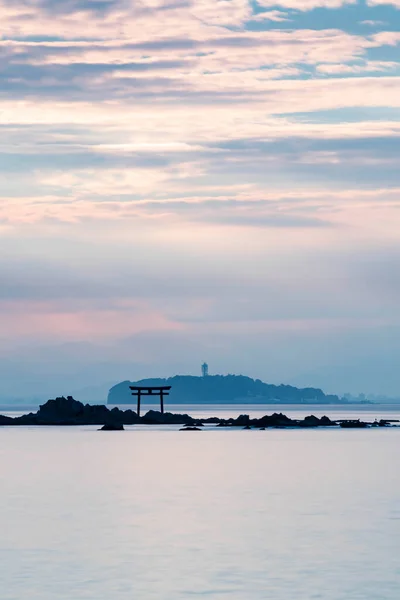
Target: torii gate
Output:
[{"x": 146, "y": 390}]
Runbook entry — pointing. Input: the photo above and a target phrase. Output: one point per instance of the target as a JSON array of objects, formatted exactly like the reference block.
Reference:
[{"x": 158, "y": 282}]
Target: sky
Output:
[{"x": 185, "y": 181}]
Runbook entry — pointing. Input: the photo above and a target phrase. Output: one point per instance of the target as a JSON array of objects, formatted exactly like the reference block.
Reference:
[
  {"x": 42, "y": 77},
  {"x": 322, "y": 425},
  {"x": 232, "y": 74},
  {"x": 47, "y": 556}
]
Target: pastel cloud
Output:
[
  {"x": 175, "y": 173},
  {"x": 232, "y": 118},
  {"x": 44, "y": 319},
  {"x": 395, "y": 3},
  {"x": 305, "y": 5},
  {"x": 369, "y": 66},
  {"x": 215, "y": 53}
]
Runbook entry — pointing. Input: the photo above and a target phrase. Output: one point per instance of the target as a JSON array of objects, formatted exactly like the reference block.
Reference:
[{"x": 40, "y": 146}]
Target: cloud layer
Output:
[{"x": 182, "y": 181}]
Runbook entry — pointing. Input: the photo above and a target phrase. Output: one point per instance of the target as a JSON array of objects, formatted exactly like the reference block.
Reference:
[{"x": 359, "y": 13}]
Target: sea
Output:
[{"x": 154, "y": 513}]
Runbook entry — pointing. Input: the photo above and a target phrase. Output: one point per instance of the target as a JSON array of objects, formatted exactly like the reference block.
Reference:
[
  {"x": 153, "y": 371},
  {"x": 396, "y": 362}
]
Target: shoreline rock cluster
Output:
[{"x": 67, "y": 411}]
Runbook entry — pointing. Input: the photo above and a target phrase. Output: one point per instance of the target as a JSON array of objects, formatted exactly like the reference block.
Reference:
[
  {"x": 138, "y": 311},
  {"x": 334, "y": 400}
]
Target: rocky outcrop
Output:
[
  {"x": 154, "y": 417},
  {"x": 354, "y": 424},
  {"x": 112, "y": 427},
  {"x": 275, "y": 420},
  {"x": 6, "y": 420},
  {"x": 190, "y": 429},
  {"x": 68, "y": 411}
]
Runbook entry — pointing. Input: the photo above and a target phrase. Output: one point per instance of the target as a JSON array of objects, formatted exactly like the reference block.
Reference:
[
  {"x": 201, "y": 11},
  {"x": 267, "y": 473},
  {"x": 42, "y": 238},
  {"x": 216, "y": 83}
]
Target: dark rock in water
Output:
[
  {"x": 6, "y": 420},
  {"x": 61, "y": 409},
  {"x": 154, "y": 417},
  {"x": 326, "y": 422},
  {"x": 310, "y": 421},
  {"x": 67, "y": 411},
  {"x": 354, "y": 424},
  {"x": 129, "y": 417},
  {"x": 275, "y": 420},
  {"x": 241, "y": 421},
  {"x": 29, "y": 419},
  {"x": 190, "y": 429},
  {"x": 112, "y": 427}
]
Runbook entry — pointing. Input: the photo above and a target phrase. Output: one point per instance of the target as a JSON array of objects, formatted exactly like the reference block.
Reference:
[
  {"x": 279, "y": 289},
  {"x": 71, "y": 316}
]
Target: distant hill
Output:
[{"x": 223, "y": 389}]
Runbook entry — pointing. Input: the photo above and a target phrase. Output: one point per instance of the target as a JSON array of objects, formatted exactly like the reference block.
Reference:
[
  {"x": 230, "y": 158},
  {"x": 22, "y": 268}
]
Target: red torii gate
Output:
[{"x": 146, "y": 390}]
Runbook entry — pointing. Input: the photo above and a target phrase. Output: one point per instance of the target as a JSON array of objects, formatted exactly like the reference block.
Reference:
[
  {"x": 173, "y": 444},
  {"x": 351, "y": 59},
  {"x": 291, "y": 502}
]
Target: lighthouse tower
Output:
[{"x": 204, "y": 369}]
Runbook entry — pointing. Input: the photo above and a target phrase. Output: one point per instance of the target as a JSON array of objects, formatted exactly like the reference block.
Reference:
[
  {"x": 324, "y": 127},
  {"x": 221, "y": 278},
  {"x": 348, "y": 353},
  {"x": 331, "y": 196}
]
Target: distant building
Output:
[{"x": 204, "y": 369}]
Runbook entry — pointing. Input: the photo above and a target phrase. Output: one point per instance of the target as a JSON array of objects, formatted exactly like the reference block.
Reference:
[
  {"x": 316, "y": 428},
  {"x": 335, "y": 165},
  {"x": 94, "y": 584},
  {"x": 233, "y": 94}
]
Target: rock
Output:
[
  {"x": 190, "y": 429},
  {"x": 61, "y": 411},
  {"x": 310, "y": 421},
  {"x": 68, "y": 411},
  {"x": 275, "y": 420},
  {"x": 241, "y": 421},
  {"x": 29, "y": 419},
  {"x": 6, "y": 420},
  {"x": 112, "y": 427},
  {"x": 155, "y": 417},
  {"x": 353, "y": 424},
  {"x": 326, "y": 422}
]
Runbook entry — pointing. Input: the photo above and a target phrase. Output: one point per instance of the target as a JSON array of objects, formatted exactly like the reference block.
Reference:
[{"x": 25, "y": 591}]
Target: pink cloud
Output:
[{"x": 44, "y": 320}]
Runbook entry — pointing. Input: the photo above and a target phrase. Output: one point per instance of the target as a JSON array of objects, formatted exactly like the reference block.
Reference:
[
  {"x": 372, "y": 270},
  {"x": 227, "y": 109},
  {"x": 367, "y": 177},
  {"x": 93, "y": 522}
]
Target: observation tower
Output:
[{"x": 204, "y": 369}]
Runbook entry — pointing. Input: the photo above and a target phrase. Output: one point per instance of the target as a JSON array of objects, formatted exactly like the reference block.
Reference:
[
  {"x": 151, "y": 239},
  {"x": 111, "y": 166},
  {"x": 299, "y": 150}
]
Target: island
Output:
[
  {"x": 224, "y": 389},
  {"x": 69, "y": 412}
]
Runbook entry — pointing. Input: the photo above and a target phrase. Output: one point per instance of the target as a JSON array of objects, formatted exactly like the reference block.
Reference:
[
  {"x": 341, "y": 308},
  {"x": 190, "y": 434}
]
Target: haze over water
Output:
[{"x": 160, "y": 514}]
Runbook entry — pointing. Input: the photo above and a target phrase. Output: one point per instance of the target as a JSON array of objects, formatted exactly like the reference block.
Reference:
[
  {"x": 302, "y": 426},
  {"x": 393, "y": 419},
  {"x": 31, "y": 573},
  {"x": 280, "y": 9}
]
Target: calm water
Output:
[{"x": 161, "y": 514}]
